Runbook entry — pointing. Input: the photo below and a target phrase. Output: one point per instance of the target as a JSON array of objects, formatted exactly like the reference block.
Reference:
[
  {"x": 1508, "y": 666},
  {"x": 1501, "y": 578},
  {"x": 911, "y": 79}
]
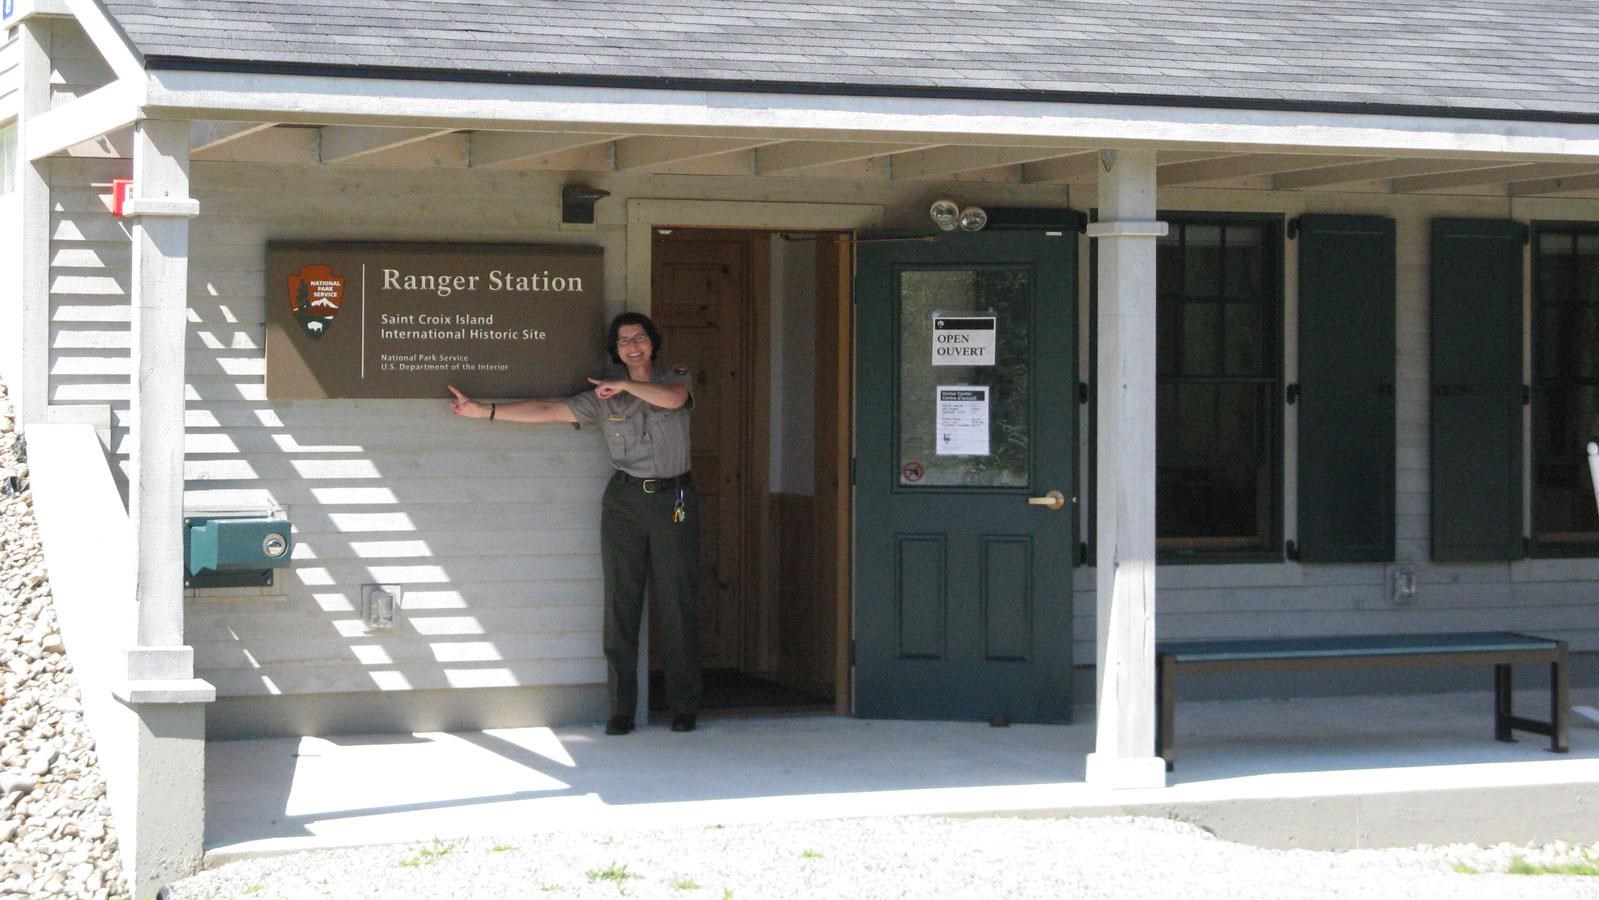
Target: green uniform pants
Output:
[{"x": 638, "y": 539}]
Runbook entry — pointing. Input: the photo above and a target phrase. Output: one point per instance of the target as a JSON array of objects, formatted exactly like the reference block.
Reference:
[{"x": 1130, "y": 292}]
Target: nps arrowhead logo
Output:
[{"x": 316, "y": 294}]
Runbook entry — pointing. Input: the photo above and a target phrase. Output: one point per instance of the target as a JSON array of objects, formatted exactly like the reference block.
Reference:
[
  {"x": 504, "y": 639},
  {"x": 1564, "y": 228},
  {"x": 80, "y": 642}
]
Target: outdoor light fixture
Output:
[
  {"x": 948, "y": 216},
  {"x": 577, "y": 204}
]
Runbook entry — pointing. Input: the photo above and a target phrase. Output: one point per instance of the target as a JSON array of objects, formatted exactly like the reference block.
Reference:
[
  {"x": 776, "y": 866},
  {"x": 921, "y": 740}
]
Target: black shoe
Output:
[
  {"x": 683, "y": 722},
  {"x": 619, "y": 725}
]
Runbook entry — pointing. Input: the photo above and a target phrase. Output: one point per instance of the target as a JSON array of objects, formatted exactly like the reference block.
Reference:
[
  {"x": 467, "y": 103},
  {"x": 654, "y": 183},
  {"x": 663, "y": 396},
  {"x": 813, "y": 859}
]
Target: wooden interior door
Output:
[{"x": 701, "y": 300}]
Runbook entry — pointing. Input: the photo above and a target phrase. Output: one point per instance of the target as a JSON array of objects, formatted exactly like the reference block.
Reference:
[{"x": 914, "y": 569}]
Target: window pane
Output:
[
  {"x": 1196, "y": 419},
  {"x": 1201, "y": 338},
  {"x": 1245, "y": 344},
  {"x": 931, "y": 452},
  {"x": 1169, "y": 334},
  {"x": 1585, "y": 274},
  {"x": 1240, "y": 422},
  {"x": 1202, "y": 261},
  {"x": 1563, "y": 507},
  {"x": 1587, "y": 342},
  {"x": 1246, "y": 264},
  {"x": 1213, "y": 490},
  {"x": 1169, "y": 262},
  {"x": 1555, "y": 280}
]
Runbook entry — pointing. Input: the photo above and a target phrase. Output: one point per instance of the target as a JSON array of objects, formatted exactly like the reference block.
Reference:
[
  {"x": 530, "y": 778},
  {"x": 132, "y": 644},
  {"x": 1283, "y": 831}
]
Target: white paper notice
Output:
[
  {"x": 962, "y": 420},
  {"x": 963, "y": 340}
]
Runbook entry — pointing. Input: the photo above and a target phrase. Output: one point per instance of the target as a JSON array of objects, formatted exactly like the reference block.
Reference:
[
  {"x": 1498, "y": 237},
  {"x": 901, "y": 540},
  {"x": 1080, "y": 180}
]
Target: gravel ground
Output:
[
  {"x": 1121, "y": 858},
  {"x": 56, "y": 836}
]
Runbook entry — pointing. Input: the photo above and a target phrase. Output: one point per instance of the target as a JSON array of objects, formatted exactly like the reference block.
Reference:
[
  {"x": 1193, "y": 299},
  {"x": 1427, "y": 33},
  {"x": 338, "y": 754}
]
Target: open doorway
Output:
[{"x": 756, "y": 316}]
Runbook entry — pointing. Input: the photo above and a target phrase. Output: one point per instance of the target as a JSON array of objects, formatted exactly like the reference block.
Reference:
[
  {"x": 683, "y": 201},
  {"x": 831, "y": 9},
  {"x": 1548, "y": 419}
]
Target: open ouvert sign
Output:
[{"x": 400, "y": 320}]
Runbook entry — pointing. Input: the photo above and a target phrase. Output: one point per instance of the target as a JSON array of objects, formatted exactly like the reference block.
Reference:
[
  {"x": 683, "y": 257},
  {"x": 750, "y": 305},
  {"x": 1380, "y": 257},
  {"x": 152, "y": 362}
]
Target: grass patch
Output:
[
  {"x": 811, "y": 854},
  {"x": 427, "y": 855},
  {"x": 551, "y": 888},
  {"x": 255, "y": 889},
  {"x": 1464, "y": 869},
  {"x": 501, "y": 848},
  {"x": 1586, "y": 866},
  {"x": 612, "y": 872},
  {"x": 685, "y": 883}
]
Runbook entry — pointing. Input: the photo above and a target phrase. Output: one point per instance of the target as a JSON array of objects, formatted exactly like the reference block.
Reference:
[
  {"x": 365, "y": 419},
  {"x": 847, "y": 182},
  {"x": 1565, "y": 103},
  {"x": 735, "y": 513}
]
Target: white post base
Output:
[{"x": 1125, "y": 773}]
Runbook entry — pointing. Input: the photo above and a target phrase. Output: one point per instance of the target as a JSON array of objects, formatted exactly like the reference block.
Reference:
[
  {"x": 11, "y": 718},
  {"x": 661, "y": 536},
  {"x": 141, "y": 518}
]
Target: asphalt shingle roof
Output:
[{"x": 1517, "y": 58}]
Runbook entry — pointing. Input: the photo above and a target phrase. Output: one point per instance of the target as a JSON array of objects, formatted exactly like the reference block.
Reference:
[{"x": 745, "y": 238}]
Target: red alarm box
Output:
[{"x": 121, "y": 189}]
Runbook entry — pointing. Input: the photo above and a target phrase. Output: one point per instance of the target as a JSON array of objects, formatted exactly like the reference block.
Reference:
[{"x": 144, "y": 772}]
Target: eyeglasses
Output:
[{"x": 636, "y": 339}]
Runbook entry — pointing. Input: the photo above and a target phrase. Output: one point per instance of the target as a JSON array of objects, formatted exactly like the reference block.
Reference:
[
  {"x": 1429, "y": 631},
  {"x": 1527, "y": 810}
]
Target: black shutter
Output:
[
  {"x": 1477, "y": 392},
  {"x": 1346, "y": 389}
]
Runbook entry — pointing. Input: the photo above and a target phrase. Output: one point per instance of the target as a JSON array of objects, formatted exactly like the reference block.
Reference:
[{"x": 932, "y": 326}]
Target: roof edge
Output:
[{"x": 633, "y": 82}]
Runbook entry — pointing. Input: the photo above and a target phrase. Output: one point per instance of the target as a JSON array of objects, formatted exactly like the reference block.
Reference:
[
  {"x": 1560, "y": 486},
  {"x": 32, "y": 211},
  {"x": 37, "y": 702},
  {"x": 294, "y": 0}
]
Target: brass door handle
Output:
[{"x": 1051, "y": 500}]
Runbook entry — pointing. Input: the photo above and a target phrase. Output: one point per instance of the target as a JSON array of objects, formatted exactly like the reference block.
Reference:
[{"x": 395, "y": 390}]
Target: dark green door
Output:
[{"x": 966, "y": 392}]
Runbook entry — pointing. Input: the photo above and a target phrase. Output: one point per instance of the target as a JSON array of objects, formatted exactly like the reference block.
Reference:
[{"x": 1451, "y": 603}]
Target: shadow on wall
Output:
[{"x": 490, "y": 533}]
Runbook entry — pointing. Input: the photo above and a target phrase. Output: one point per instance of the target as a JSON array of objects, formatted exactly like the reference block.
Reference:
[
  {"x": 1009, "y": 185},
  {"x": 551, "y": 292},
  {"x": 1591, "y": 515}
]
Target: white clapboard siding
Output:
[
  {"x": 76, "y": 67},
  {"x": 10, "y": 73},
  {"x": 89, "y": 357}
]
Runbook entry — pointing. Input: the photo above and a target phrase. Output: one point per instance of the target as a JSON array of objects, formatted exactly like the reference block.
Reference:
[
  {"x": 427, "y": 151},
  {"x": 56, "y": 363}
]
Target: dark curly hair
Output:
[{"x": 632, "y": 318}]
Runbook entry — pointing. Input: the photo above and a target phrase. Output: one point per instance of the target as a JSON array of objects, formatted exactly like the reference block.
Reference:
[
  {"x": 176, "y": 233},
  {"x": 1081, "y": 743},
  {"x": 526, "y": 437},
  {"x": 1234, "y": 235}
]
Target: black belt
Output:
[{"x": 654, "y": 485}]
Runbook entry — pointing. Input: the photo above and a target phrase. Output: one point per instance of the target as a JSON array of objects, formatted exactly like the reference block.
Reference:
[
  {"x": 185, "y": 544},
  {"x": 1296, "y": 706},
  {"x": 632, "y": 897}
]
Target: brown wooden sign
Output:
[{"x": 404, "y": 320}]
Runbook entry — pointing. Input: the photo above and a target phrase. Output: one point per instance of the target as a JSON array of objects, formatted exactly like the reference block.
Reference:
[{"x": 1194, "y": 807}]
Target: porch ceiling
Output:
[{"x": 935, "y": 158}]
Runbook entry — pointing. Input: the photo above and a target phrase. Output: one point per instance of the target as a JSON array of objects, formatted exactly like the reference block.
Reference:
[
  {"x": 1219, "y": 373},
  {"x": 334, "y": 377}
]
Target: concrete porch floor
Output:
[{"x": 1326, "y": 773}]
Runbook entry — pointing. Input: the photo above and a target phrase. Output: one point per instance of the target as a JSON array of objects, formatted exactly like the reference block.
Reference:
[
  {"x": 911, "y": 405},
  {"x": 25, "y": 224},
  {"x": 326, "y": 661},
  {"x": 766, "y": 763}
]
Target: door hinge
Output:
[
  {"x": 1526, "y": 395},
  {"x": 1291, "y": 549},
  {"x": 852, "y": 470},
  {"x": 852, "y": 651},
  {"x": 1082, "y": 553},
  {"x": 1526, "y": 546},
  {"x": 1292, "y": 393},
  {"x": 1293, "y": 228},
  {"x": 1082, "y": 392}
]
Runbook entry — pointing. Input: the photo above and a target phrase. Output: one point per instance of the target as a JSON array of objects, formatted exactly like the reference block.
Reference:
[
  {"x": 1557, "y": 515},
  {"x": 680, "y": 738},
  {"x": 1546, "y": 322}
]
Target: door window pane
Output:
[{"x": 964, "y": 425}]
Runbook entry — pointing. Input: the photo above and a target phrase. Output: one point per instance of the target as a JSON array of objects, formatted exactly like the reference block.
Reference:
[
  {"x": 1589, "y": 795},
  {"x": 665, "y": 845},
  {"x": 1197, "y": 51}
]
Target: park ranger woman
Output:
[{"x": 649, "y": 526}]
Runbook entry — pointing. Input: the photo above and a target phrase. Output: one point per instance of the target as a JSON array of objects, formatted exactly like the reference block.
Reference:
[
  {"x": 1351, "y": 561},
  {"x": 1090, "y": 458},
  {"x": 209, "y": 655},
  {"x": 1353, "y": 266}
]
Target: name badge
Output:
[{"x": 616, "y": 418}]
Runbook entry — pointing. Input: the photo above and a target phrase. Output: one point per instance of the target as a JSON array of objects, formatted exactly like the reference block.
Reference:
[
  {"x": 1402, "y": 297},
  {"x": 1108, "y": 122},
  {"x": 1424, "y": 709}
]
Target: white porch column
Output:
[
  {"x": 159, "y": 209},
  {"x": 29, "y": 353},
  {"x": 1124, "y": 739},
  {"x": 161, "y": 817}
]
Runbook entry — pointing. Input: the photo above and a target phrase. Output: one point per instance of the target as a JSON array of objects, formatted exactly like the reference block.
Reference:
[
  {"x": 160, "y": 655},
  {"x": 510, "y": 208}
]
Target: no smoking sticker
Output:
[{"x": 912, "y": 472}]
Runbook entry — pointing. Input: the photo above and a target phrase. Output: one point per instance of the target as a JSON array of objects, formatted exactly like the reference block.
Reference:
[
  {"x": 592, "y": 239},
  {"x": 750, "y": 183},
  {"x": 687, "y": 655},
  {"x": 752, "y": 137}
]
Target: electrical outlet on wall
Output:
[
  {"x": 1402, "y": 580},
  {"x": 380, "y": 606}
]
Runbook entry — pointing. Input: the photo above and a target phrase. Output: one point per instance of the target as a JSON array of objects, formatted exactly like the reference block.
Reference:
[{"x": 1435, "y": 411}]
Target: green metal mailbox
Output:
[{"x": 234, "y": 552}]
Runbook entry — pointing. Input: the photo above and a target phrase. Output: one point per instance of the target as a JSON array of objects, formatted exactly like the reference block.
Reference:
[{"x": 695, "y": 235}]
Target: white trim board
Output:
[{"x": 330, "y": 100}]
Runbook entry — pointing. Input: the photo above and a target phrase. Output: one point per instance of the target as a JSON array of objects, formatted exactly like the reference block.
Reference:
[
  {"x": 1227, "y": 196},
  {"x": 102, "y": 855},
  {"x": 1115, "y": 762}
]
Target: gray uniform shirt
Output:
[{"x": 645, "y": 441}]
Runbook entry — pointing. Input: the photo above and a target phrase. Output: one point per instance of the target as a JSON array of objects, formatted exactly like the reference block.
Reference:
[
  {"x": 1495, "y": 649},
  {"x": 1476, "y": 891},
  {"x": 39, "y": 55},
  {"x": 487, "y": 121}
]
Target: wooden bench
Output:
[{"x": 1501, "y": 649}]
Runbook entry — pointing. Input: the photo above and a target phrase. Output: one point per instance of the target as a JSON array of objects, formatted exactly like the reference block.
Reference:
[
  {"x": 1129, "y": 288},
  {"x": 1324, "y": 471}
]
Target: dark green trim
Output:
[
  {"x": 1476, "y": 436},
  {"x": 1346, "y": 403}
]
